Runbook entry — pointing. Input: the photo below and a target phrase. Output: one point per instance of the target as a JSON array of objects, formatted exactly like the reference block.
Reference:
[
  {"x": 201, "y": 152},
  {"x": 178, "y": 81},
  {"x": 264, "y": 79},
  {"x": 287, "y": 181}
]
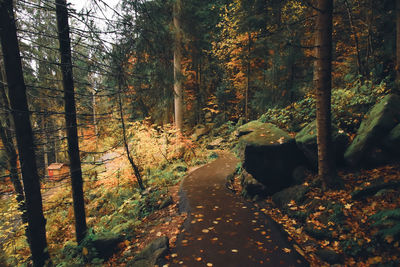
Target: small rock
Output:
[
  {"x": 168, "y": 201},
  {"x": 152, "y": 255},
  {"x": 296, "y": 193},
  {"x": 251, "y": 187},
  {"x": 106, "y": 246},
  {"x": 199, "y": 131},
  {"x": 216, "y": 143}
]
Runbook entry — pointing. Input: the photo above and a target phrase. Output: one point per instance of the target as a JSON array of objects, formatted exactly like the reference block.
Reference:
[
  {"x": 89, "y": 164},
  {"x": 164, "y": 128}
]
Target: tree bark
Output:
[
  {"x": 8, "y": 142},
  {"x": 70, "y": 119},
  {"x": 323, "y": 84},
  {"x": 246, "y": 105},
  {"x": 24, "y": 135},
  {"x": 178, "y": 92},
  {"x": 356, "y": 43},
  {"x": 398, "y": 41}
]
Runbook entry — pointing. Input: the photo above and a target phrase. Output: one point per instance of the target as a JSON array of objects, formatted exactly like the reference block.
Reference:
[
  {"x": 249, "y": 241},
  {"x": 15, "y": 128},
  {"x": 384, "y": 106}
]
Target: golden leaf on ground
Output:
[
  {"x": 348, "y": 206},
  {"x": 85, "y": 251},
  {"x": 205, "y": 230},
  {"x": 235, "y": 250},
  {"x": 209, "y": 264},
  {"x": 287, "y": 250},
  {"x": 389, "y": 239}
]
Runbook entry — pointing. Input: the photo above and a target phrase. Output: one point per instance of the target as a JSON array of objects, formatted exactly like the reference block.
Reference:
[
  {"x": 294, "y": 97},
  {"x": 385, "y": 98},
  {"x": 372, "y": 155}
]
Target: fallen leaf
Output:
[
  {"x": 287, "y": 250},
  {"x": 235, "y": 250}
]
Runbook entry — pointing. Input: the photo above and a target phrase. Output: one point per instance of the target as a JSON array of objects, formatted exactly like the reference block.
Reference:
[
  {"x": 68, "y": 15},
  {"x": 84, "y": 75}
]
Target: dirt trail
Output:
[{"x": 222, "y": 229}]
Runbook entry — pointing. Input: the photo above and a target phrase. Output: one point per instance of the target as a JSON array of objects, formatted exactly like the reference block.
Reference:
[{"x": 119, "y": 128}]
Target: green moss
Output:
[
  {"x": 377, "y": 124},
  {"x": 266, "y": 134},
  {"x": 249, "y": 127}
]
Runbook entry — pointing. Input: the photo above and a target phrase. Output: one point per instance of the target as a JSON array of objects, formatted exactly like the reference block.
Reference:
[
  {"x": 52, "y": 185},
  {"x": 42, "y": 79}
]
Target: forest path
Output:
[{"x": 223, "y": 229}]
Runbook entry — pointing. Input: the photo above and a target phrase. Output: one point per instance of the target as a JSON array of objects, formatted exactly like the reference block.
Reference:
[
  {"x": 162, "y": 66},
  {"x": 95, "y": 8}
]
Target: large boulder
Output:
[
  {"x": 381, "y": 119},
  {"x": 392, "y": 141},
  {"x": 270, "y": 155},
  {"x": 152, "y": 255},
  {"x": 306, "y": 140},
  {"x": 249, "y": 127}
]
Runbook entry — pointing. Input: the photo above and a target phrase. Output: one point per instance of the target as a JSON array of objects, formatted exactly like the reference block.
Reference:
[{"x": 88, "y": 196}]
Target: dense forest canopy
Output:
[{"x": 119, "y": 98}]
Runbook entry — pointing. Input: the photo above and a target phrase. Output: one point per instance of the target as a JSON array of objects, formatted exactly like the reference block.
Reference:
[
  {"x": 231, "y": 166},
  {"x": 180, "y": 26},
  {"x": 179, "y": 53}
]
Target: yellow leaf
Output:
[
  {"x": 287, "y": 250},
  {"x": 85, "y": 251},
  {"x": 348, "y": 206}
]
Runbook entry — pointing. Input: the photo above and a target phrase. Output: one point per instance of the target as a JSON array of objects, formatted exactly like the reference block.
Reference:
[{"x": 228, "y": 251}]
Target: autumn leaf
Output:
[
  {"x": 287, "y": 250},
  {"x": 85, "y": 251}
]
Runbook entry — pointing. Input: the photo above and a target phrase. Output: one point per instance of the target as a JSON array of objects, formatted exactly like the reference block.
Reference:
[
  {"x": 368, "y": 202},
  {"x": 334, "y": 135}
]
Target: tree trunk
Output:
[
  {"x": 398, "y": 41},
  {"x": 8, "y": 142},
  {"x": 246, "y": 105},
  {"x": 178, "y": 92},
  {"x": 323, "y": 84},
  {"x": 24, "y": 135},
  {"x": 70, "y": 119},
  {"x": 128, "y": 153},
  {"x": 357, "y": 46},
  {"x": 45, "y": 142}
]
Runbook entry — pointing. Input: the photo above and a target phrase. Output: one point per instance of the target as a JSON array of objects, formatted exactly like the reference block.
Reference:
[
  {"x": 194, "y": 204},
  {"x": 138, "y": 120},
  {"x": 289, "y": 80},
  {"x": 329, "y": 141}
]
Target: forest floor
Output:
[{"x": 359, "y": 223}]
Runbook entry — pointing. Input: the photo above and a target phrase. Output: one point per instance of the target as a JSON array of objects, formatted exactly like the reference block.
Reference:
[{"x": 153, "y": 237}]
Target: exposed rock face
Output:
[
  {"x": 382, "y": 118},
  {"x": 306, "y": 140},
  {"x": 152, "y": 255},
  {"x": 269, "y": 154}
]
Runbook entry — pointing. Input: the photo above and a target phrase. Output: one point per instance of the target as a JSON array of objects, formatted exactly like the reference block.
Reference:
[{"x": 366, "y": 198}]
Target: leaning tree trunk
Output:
[
  {"x": 178, "y": 92},
  {"x": 126, "y": 146},
  {"x": 24, "y": 135},
  {"x": 322, "y": 83},
  {"x": 70, "y": 119}
]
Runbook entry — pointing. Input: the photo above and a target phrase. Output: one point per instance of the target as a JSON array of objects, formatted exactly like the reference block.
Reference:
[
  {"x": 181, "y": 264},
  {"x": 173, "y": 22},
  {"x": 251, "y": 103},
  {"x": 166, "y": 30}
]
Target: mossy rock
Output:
[
  {"x": 392, "y": 141},
  {"x": 297, "y": 193},
  {"x": 251, "y": 187},
  {"x": 152, "y": 255},
  {"x": 306, "y": 140},
  {"x": 380, "y": 120},
  {"x": 248, "y": 128},
  {"x": 270, "y": 155}
]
